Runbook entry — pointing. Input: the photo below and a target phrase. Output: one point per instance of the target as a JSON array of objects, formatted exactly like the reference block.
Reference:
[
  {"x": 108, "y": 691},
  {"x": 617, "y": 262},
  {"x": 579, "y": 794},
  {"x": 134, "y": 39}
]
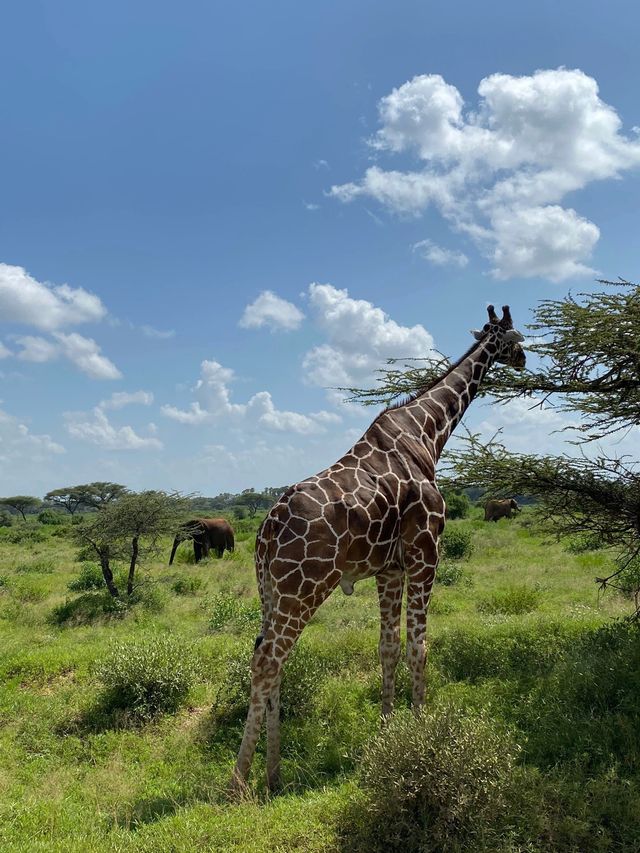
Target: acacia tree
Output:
[
  {"x": 69, "y": 498},
  {"x": 586, "y": 354},
  {"x": 21, "y": 504},
  {"x": 100, "y": 493},
  {"x": 130, "y": 529}
]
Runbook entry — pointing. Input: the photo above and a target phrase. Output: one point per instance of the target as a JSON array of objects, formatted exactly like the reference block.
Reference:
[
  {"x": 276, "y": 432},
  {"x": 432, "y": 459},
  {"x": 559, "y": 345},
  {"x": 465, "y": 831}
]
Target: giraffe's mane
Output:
[{"x": 409, "y": 398}]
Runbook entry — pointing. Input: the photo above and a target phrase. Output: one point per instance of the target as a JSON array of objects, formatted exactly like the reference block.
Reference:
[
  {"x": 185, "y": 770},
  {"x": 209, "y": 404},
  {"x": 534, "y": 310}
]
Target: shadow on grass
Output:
[{"x": 86, "y": 609}]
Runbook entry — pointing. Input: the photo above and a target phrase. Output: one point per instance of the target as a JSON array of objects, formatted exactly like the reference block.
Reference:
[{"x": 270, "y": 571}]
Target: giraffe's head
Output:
[{"x": 506, "y": 338}]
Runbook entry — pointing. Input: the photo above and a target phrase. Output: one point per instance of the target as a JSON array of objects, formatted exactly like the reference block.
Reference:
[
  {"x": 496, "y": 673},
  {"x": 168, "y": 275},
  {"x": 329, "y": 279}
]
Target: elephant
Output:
[
  {"x": 495, "y": 509},
  {"x": 206, "y": 534}
]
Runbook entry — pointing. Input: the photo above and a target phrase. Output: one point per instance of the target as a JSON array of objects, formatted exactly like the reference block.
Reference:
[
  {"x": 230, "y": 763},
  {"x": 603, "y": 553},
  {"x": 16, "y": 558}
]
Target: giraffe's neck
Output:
[{"x": 443, "y": 405}]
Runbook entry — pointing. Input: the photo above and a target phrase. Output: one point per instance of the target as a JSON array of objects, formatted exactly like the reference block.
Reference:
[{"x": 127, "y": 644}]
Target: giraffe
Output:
[{"x": 376, "y": 512}]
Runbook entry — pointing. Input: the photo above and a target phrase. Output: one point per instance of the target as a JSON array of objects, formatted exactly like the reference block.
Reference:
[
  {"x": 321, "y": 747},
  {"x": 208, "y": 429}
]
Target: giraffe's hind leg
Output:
[
  {"x": 272, "y": 649},
  {"x": 390, "y": 587}
]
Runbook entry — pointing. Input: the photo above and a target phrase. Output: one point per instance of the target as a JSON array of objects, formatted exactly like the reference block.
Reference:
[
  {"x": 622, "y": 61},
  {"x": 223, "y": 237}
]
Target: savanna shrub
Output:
[
  {"x": 507, "y": 651},
  {"x": 456, "y": 543},
  {"x": 6, "y": 519},
  {"x": 458, "y": 505},
  {"x": 25, "y": 532},
  {"x": 186, "y": 585},
  {"x": 90, "y": 577},
  {"x": 50, "y": 516},
  {"x": 449, "y": 574},
  {"x": 230, "y": 611},
  {"x": 584, "y": 542},
  {"x": 512, "y": 601},
  {"x": 147, "y": 677},
  {"x": 88, "y": 608},
  {"x": 439, "y": 780}
]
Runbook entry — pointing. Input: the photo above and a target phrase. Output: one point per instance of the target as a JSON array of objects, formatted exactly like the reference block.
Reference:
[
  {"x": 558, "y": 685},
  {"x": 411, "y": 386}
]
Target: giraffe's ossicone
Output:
[{"x": 376, "y": 512}]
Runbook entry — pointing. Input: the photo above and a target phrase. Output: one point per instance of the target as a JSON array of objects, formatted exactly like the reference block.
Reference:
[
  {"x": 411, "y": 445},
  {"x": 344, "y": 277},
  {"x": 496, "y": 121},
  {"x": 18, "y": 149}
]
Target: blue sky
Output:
[{"x": 164, "y": 167}]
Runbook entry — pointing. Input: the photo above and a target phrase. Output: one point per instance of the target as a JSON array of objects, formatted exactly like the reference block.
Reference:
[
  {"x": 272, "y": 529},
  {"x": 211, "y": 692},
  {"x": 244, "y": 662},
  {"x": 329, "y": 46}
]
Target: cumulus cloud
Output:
[
  {"x": 440, "y": 256},
  {"x": 97, "y": 429},
  {"x": 83, "y": 352},
  {"x": 498, "y": 173},
  {"x": 361, "y": 337},
  {"x": 4, "y": 351},
  {"x": 272, "y": 311},
  {"x": 214, "y": 403},
  {"x": 23, "y": 299},
  {"x": 17, "y": 441},
  {"x": 119, "y": 399}
]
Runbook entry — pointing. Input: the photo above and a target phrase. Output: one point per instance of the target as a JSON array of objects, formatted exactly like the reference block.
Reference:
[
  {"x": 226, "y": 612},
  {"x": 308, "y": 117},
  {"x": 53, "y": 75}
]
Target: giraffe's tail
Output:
[{"x": 265, "y": 545}]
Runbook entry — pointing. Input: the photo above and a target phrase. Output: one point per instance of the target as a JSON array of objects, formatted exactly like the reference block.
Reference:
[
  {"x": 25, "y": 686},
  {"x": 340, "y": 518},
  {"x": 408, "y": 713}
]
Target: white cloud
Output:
[
  {"x": 360, "y": 339},
  {"x": 505, "y": 166},
  {"x": 157, "y": 334},
  {"x": 83, "y": 352},
  {"x": 23, "y": 299},
  {"x": 4, "y": 351},
  {"x": 309, "y": 205},
  {"x": 17, "y": 442},
  {"x": 125, "y": 398},
  {"x": 97, "y": 429},
  {"x": 37, "y": 349},
  {"x": 440, "y": 256},
  {"x": 272, "y": 311},
  {"x": 214, "y": 404},
  {"x": 542, "y": 241}
]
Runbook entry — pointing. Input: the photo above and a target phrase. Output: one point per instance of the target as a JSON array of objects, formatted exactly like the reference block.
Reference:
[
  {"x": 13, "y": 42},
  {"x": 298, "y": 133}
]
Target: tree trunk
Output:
[
  {"x": 21, "y": 511},
  {"x": 107, "y": 574},
  {"x": 132, "y": 565}
]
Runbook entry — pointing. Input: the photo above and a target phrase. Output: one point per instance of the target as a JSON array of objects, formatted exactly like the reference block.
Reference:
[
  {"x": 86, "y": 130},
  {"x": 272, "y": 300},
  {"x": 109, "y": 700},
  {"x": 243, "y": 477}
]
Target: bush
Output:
[
  {"x": 25, "y": 532},
  {"x": 50, "y": 516},
  {"x": 512, "y": 601},
  {"x": 87, "y": 608},
  {"x": 584, "y": 542},
  {"x": 458, "y": 505},
  {"x": 147, "y": 677},
  {"x": 439, "y": 780},
  {"x": 186, "y": 585},
  {"x": 507, "y": 651},
  {"x": 231, "y": 611},
  {"x": 456, "y": 543},
  {"x": 90, "y": 577},
  {"x": 6, "y": 519},
  {"x": 449, "y": 574}
]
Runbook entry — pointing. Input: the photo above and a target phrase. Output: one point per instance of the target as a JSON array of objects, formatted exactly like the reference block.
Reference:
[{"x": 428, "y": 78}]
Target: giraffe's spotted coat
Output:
[{"x": 375, "y": 512}]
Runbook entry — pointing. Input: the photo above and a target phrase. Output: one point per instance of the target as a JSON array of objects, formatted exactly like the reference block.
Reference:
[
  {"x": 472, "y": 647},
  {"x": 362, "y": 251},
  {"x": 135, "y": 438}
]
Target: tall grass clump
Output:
[
  {"x": 438, "y": 780},
  {"x": 456, "y": 543},
  {"x": 147, "y": 677},
  {"x": 512, "y": 601}
]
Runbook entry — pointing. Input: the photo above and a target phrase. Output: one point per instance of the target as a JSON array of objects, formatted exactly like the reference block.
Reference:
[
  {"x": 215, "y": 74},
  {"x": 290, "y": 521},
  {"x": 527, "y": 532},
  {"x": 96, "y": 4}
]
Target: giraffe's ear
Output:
[
  {"x": 477, "y": 334},
  {"x": 513, "y": 336}
]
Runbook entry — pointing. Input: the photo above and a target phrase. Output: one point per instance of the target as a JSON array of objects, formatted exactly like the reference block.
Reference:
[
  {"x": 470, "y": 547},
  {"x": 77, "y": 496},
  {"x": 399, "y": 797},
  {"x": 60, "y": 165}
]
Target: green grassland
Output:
[{"x": 534, "y": 695}]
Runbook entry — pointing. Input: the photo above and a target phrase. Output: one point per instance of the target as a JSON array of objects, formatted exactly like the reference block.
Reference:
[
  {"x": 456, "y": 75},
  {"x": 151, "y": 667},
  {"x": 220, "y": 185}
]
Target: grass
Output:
[{"x": 516, "y": 640}]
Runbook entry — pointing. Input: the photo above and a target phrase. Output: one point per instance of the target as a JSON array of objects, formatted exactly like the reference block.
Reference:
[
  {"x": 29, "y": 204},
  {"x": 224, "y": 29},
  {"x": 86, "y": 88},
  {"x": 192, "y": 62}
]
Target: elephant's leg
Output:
[
  {"x": 197, "y": 551},
  {"x": 205, "y": 547}
]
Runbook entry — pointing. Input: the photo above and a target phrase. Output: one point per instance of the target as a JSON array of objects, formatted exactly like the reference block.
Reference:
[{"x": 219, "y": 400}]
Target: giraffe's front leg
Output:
[{"x": 390, "y": 586}]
